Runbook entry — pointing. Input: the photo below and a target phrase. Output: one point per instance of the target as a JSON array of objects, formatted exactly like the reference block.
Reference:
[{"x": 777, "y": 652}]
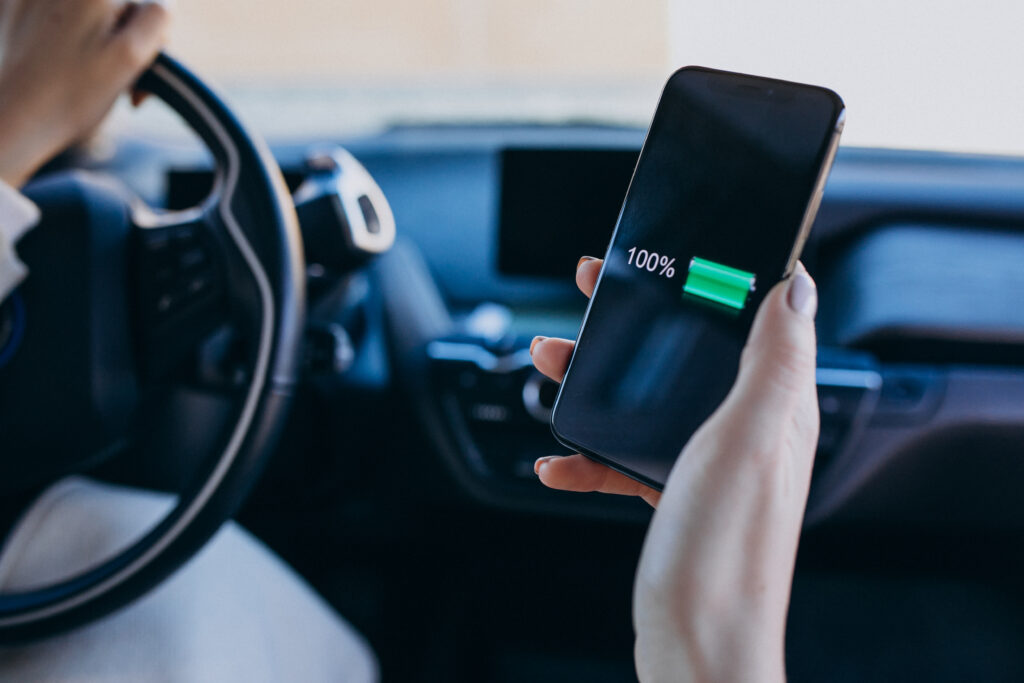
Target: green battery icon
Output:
[{"x": 721, "y": 284}]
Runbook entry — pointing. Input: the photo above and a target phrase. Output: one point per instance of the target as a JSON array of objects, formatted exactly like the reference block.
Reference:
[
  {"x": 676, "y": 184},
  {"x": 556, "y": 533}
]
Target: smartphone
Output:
[{"x": 721, "y": 201}]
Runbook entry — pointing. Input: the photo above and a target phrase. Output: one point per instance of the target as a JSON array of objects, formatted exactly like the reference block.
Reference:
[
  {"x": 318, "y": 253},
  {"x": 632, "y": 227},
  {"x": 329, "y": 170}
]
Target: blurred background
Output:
[{"x": 925, "y": 74}]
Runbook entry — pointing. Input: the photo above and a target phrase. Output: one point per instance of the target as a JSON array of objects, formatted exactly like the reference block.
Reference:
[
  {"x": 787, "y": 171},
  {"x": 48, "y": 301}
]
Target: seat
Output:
[{"x": 235, "y": 612}]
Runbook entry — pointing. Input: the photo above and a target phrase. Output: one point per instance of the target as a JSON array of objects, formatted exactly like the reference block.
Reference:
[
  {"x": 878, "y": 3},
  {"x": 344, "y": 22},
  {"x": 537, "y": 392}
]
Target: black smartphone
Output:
[{"x": 721, "y": 201}]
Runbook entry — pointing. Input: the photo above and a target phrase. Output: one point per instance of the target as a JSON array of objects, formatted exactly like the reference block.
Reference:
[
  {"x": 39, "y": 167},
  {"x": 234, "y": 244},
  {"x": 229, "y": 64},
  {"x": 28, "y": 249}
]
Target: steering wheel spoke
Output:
[{"x": 180, "y": 286}]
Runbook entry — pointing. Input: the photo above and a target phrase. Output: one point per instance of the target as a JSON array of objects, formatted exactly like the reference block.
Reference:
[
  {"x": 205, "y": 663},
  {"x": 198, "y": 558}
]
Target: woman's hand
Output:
[
  {"x": 62, "y": 65},
  {"x": 712, "y": 588},
  {"x": 576, "y": 472}
]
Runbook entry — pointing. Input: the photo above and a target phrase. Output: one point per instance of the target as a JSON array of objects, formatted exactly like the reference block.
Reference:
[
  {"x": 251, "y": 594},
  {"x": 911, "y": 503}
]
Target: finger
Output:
[
  {"x": 551, "y": 356},
  {"x": 587, "y": 270},
  {"x": 140, "y": 33},
  {"x": 581, "y": 474},
  {"x": 124, "y": 15},
  {"x": 138, "y": 97}
]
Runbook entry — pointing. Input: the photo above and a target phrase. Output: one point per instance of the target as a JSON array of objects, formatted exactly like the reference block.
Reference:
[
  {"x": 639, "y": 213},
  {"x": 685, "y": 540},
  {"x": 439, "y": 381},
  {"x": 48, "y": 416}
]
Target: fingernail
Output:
[
  {"x": 584, "y": 259},
  {"x": 541, "y": 462},
  {"x": 803, "y": 295},
  {"x": 536, "y": 340}
]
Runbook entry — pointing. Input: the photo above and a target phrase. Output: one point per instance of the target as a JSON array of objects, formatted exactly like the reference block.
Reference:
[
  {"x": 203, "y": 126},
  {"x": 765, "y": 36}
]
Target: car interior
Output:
[{"x": 399, "y": 477}]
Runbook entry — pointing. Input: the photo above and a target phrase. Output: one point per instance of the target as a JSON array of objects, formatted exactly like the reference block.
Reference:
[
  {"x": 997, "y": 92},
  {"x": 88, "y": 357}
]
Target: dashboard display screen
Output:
[{"x": 558, "y": 205}]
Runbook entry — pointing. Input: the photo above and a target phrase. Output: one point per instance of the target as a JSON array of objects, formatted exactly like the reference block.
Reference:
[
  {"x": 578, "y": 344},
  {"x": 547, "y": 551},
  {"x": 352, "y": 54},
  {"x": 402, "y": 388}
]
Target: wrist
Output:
[
  {"x": 706, "y": 655},
  {"x": 698, "y": 633},
  {"x": 25, "y": 145}
]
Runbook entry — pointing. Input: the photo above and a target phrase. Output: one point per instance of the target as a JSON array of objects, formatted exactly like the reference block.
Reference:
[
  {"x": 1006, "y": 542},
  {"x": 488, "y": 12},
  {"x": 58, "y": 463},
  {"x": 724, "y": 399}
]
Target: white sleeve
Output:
[{"x": 18, "y": 215}]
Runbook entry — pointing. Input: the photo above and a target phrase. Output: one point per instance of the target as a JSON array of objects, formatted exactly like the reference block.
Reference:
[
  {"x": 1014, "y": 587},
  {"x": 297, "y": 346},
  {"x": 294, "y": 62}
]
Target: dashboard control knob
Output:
[
  {"x": 539, "y": 397},
  {"x": 328, "y": 350}
]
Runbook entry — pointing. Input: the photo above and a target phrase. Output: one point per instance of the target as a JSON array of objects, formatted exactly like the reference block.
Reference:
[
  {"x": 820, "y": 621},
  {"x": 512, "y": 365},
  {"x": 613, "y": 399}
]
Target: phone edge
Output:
[{"x": 814, "y": 204}]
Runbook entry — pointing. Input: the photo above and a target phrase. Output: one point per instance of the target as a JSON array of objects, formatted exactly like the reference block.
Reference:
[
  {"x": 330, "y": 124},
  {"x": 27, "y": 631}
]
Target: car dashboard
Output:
[{"x": 920, "y": 328}]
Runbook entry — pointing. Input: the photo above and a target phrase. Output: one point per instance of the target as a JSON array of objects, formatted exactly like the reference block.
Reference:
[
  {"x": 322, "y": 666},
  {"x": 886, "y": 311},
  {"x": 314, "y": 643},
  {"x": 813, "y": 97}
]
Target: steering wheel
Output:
[{"x": 117, "y": 298}]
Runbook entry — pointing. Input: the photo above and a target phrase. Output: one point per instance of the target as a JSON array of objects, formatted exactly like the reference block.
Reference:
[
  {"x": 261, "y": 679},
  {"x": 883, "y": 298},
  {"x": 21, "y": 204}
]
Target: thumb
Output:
[{"x": 777, "y": 369}]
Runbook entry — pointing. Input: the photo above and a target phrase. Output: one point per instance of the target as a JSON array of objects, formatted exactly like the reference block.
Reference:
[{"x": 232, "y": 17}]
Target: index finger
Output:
[
  {"x": 587, "y": 271},
  {"x": 581, "y": 474}
]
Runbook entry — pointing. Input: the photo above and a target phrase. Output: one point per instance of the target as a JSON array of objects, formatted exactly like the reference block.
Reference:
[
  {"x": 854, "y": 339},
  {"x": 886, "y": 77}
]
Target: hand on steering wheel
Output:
[{"x": 63, "y": 66}]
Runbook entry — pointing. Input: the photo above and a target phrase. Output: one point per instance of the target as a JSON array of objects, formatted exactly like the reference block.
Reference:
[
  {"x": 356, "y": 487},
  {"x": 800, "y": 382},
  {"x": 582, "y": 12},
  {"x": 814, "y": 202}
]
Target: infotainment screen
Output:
[{"x": 558, "y": 205}]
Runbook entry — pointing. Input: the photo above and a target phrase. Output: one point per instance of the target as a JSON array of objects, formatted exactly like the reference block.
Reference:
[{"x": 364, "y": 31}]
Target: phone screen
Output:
[{"x": 710, "y": 222}]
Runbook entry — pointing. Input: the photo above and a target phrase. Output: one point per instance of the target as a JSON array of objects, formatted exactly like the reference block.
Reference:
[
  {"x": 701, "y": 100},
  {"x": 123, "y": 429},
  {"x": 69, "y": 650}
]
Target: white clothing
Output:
[
  {"x": 235, "y": 612},
  {"x": 18, "y": 215}
]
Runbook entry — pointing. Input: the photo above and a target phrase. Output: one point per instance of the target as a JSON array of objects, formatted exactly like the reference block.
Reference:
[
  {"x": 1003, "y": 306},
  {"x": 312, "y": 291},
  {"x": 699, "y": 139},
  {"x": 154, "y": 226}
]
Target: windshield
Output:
[{"x": 923, "y": 74}]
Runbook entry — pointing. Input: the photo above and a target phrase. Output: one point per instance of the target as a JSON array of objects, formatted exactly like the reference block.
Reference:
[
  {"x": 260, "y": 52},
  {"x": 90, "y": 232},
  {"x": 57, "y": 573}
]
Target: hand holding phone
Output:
[
  {"x": 721, "y": 201},
  {"x": 728, "y": 522},
  {"x": 713, "y": 584},
  {"x": 585, "y": 475}
]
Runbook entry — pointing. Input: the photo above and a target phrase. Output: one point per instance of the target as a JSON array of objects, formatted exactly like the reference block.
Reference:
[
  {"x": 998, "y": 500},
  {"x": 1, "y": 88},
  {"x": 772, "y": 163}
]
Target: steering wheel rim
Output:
[{"x": 258, "y": 219}]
